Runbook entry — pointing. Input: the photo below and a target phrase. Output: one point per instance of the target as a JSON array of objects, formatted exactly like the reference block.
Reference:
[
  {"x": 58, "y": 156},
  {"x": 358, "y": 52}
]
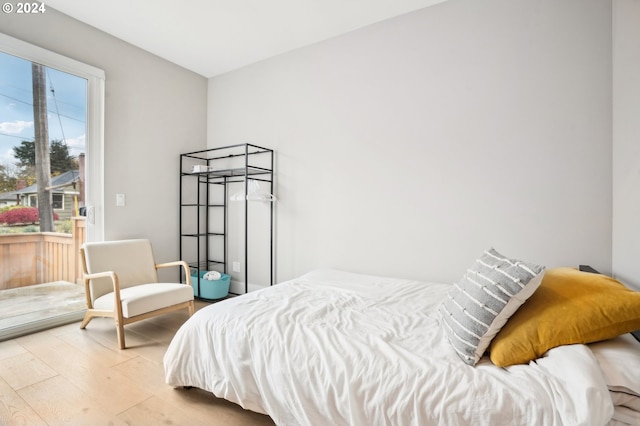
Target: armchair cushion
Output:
[
  {"x": 131, "y": 260},
  {"x": 145, "y": 298}
]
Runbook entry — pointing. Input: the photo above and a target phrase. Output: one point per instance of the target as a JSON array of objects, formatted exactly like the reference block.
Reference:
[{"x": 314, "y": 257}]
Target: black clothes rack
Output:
[{"x": 205, "y": 177}]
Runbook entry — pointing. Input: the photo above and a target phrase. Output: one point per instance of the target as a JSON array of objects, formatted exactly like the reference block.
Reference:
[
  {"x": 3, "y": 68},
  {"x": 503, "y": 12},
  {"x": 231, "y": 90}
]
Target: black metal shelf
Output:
[
  {"x": 235, "y": 172},
  {"x": 199, "y": 172},
  {"x": 204, "y": 264},
  {"x": 204, "y": 234}
]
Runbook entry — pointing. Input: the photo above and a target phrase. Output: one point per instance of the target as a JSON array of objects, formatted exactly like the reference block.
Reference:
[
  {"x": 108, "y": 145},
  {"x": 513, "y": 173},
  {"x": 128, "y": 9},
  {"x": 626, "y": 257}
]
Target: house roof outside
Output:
[{"x": 58, "y": 183}]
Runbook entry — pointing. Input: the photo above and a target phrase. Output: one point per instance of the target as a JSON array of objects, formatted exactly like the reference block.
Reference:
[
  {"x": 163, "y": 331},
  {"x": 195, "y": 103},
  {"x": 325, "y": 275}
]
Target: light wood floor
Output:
[{"x": 68, "y": 376}]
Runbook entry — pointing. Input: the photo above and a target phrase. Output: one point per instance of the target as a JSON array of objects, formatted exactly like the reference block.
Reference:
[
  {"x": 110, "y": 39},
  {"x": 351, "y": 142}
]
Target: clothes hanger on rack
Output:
[{"x": 254, "y": 193}]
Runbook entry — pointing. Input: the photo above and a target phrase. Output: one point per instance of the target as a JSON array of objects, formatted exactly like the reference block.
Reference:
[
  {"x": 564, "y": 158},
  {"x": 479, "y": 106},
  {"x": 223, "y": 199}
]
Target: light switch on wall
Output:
[{"x": 120, "y": 200}]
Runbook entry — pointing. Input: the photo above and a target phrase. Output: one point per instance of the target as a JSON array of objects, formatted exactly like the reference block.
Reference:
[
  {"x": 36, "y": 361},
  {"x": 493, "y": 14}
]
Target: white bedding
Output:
[
  {"x": 338, "y": 348},
  {"x": 619, "y": 360}
]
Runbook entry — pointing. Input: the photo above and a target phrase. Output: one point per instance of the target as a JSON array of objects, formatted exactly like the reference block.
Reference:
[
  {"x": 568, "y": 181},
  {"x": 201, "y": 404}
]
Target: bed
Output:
[{"x": 334, "y": 347}]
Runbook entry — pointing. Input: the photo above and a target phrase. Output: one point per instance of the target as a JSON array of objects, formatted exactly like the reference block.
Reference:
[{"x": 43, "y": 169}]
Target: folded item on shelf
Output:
[{"x": 212, "y": 276}]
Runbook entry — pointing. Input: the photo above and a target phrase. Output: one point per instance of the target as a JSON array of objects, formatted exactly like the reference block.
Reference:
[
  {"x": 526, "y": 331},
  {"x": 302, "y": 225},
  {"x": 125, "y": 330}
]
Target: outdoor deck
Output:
[
  {"x": 26, "y": 308},
  {"x": 32, "y": 258},
  {"x": 26, "y": 261}
]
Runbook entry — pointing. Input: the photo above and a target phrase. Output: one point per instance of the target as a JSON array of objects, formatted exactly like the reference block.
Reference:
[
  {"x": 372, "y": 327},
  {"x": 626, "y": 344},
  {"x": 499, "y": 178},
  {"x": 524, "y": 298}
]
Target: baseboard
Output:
[{"x": 237, "y": 287}]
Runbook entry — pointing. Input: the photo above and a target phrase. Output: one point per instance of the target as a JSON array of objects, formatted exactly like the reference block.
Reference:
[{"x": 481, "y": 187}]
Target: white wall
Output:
[
  {"x": 408, "y": 147},
  {"x": 154, "y": 110},
  {"x": 626, "y": 141}
]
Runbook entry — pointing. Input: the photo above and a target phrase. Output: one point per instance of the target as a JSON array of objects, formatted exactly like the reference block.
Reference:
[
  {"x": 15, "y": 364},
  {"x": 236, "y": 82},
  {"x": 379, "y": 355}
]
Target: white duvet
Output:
[{"x": 338, "y": 348}]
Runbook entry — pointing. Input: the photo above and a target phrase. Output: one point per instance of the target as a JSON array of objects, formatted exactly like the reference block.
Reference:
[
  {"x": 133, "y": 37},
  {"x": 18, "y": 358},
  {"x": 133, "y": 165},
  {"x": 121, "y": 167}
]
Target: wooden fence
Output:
[{"x": 41, "y": 257}]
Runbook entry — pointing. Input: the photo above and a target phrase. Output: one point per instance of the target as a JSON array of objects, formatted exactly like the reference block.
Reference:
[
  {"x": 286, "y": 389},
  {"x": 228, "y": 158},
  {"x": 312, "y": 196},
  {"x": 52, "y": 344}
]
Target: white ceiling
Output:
[{"x": 211, "y": 37}]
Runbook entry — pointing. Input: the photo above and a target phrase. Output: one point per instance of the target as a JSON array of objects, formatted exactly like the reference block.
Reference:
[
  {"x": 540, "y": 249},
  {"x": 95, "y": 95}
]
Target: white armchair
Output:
[{"x": 121, "y": 282}]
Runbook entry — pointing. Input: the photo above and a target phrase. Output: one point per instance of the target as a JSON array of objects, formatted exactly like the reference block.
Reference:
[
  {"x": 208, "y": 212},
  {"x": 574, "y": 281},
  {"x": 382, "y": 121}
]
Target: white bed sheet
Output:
[
  {"x": 333, "y": 347},
  {"x": 619, "y": 361}
]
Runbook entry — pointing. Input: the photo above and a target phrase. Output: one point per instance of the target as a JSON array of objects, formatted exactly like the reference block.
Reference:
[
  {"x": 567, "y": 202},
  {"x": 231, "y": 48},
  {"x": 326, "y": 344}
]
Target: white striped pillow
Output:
[{"x": 484, "y": 299}]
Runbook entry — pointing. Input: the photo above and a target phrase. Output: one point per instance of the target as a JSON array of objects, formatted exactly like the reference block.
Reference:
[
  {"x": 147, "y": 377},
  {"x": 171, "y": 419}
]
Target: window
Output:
[
  {"x": 93, "y": 170},
  {"x": 95, "y": 121},
  {"x": 58, "y": 201}
]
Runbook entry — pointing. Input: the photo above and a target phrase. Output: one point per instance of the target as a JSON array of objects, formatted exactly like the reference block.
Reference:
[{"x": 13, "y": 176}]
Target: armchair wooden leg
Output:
[
  {"x": 87, "y": 317},
  {"x": 120, "y": 331},
  {"x": 192, "y": 308}
]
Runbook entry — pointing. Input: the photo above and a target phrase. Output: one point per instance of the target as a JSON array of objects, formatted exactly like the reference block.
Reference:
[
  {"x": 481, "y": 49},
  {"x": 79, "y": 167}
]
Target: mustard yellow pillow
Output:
[{"x": 569, "y": 307}]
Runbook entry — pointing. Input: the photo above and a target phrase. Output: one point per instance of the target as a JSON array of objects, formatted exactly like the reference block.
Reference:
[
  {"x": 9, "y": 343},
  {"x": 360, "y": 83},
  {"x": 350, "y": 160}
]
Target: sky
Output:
[{"x": 67, "y": 107}]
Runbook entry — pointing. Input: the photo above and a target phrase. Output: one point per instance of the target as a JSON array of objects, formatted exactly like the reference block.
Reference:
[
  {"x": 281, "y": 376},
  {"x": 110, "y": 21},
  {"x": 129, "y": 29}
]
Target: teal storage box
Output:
[{"x": 210, "y": 289}]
